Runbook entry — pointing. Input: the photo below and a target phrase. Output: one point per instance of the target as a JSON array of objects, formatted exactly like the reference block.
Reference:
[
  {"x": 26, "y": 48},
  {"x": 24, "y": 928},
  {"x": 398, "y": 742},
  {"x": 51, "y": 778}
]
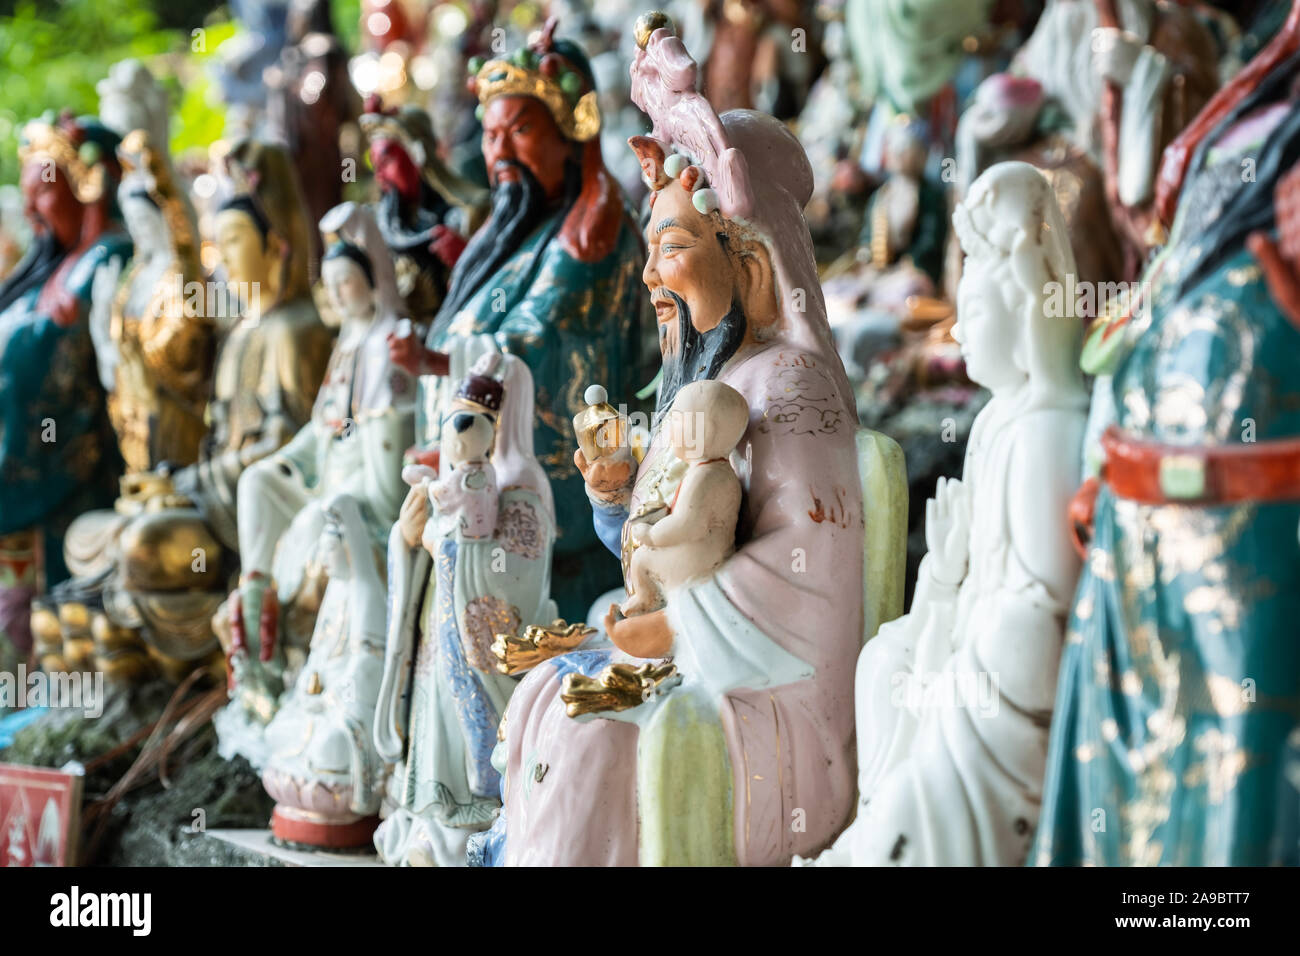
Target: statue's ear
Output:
[
  {"x": 756, "y": 284},
  {"x": 650, "y": 153}
]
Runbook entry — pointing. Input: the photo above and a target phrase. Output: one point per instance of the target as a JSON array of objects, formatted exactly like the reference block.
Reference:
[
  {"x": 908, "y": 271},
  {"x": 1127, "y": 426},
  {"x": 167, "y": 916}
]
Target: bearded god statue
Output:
[
  {"x": 551, "y": 277},
  {"x": 425, "y": 210},
  {"x": 57, "y": 453},
  {"x": 739, "y": 750}
]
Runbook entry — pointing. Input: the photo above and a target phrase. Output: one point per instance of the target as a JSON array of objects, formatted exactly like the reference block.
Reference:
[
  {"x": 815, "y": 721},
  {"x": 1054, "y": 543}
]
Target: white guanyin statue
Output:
[
  {"x": 955, "y": 698},
  {"x": 322, "y": 769},
  {"x": 469, "y": 559},
  {"x": 362, "y": 423}
]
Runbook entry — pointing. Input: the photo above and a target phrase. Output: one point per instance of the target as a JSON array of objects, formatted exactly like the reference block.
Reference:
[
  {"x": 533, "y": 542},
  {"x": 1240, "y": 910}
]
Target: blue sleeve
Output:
[{"x": 608, "y": 522}]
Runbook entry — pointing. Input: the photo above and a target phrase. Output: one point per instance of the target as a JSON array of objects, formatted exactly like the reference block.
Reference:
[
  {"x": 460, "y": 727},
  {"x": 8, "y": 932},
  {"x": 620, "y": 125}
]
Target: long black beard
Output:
[
  {"x": 699, "y": 355},
  {"x": 517, "y": 208},
  {"x": 42, "y": 260},
  {"x": 410, "y": 229}
]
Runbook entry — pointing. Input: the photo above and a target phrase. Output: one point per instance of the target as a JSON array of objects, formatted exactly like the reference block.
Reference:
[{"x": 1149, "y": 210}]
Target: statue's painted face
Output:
[
  {"x": 49, "y": 203},
  {"x": 349, "y": 289},
  {"x": 686, "y": 257},
  {"x": 698, "y": 291},
  {"x": 467, "y": 436},
  {"x": 988, "y": 330},
  {"x": 519, "y": 130},
  {"x": 248, "y": 257},
  {"x": 394, "y": 169}
]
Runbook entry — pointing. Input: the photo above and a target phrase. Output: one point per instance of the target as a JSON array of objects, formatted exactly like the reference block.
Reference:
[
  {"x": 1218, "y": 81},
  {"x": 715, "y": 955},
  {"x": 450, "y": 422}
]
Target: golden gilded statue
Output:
[
  {"x": 165, "y": 556},
  {"x": 161, "y": 335}
]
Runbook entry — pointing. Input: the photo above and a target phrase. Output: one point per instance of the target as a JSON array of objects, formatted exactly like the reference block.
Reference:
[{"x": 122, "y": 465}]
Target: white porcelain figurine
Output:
[{"x": 954, "y": 699}]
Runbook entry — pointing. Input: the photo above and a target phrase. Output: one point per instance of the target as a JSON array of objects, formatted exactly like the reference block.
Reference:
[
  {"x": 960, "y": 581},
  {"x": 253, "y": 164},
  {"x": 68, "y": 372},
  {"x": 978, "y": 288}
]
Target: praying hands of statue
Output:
[
  {"x": 447, "y": 245},
  {"x": 645, "y": 635},
  {"x": 947, "y": 532},
  {"x": 408, "y": 352},
  {"x": 608, "y": 479}
]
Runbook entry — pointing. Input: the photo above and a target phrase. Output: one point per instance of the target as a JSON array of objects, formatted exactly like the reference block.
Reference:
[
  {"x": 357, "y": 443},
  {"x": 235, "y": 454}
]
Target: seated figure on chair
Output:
[
  {"x": 739, "y": 750},
  {"x": 57, "y": 454}
]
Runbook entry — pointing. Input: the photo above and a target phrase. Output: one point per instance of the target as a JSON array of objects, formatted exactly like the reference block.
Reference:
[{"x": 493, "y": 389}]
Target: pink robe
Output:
[{"x": 798, "y": 576}]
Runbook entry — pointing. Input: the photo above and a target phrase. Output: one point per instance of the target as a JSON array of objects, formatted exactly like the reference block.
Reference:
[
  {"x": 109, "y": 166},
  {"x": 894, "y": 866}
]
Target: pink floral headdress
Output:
[{"x": 687, "y": 142}]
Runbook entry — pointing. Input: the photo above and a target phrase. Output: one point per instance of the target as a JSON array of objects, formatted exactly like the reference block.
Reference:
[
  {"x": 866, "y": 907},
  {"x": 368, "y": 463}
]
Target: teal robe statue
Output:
[
  {"x": 48, "y": 375},
  {"x": 58, "y": 453},
  {"x": 1178, "y": 711}
]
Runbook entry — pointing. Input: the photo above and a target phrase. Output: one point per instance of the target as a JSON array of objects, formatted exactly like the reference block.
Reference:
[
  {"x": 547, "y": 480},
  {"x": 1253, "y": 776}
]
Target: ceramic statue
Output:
[
  {"x": 159, "y": 337},
  {"x": 832, "y": 127},
  {"x": 155, "y": 347},
  {"x": 362, "y": 421},
  {"x": 697, "y": 531},
  {"x": 907, "y": 51},
  {"x": 242, "y": 61},
  {"x": 469, "y": 560},
  {"x": 954, "y": 699},
  {"x": 1179, "y": 695},
  {"x": 1129, "y": 75},
  {"x": 322, "y": 768},
  {"x": 153, "y": 340},
  {"x": 310, "y": 103},
  {"x": 57, "y": 453},
  {"x": 739, "y": 749},
  {"x": 131, "y": 98},
  {"x": 871, "y": 288},
  {"x": 164, "y": 555},
  {"x": 425, "y": 210},
  {"x": 1005, "y": 121},
  {"x": 551, "y": 276}
]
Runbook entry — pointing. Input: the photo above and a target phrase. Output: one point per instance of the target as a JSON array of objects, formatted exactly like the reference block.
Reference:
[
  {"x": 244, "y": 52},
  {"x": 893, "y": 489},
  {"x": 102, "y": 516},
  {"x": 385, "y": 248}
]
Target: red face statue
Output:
[
  {"x": 49, "y": 203},
  {"x": 519, "y": 130},
  {"x": 394, "y": 169}
]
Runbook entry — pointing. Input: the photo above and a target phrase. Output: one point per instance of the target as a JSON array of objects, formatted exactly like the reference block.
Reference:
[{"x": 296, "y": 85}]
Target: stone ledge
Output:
[{"x": 254, "y": 848}]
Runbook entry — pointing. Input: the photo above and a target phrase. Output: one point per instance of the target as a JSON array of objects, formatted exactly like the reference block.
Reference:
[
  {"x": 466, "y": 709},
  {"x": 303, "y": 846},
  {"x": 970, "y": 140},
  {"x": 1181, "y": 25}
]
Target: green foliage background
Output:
[{"x": 53, "y": 53}]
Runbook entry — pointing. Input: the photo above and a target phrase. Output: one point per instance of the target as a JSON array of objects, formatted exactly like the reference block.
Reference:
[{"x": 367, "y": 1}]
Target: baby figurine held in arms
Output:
[{"x": 697, "y": 531}]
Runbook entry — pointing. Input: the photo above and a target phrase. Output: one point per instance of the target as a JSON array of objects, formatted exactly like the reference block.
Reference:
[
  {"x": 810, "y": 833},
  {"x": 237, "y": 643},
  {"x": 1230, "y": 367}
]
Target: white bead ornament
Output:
[
  {"x": 705, "y": 201},
  {"x": 674, "y": 164}
]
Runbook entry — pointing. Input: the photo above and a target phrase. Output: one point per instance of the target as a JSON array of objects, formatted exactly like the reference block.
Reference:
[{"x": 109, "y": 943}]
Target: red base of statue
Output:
[{"x": 295, "y": 826}]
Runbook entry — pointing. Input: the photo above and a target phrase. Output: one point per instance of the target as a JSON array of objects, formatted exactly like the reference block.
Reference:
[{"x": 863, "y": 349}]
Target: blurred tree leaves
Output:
[{"x": 53, "y": 54}]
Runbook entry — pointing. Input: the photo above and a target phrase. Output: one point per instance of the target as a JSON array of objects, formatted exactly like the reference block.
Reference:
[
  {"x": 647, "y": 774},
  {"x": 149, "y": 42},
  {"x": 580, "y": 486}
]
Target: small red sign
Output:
[{"x": 40, "y": 816}]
